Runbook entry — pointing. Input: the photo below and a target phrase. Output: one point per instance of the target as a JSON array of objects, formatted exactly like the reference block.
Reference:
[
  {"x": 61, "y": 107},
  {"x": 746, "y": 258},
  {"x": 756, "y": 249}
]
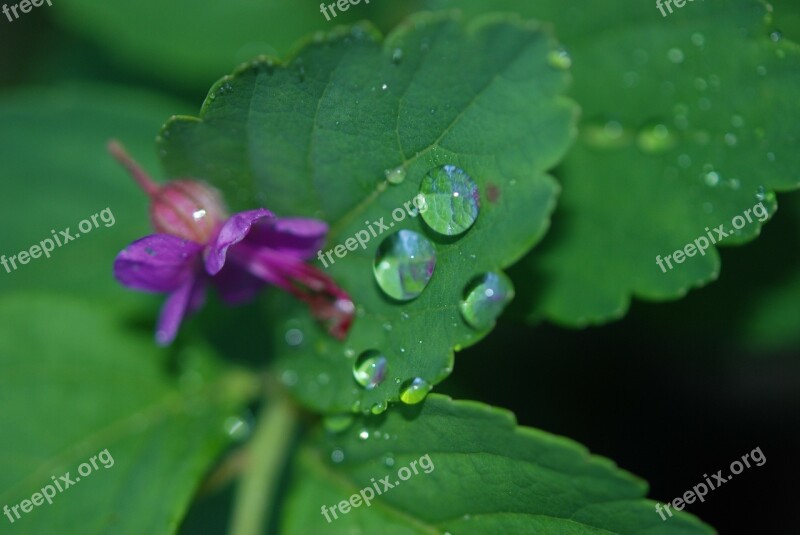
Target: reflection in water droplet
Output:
[
  {"x": 396, "y": 175},
  {"x": 485, "y": 297},
  {"x": 675, "y": 55},
  {"x": 370, "y": 369},
  {"x": 197, "y": 215},
  {"x": 655, "y": 139},
  {"x": 559, "y": 59},
  {"x": 414, "y": 390},
  {"x": 451, "y": 199},
  {"x": 337, "y": 423},
  {"x": 404, "y": 264}
]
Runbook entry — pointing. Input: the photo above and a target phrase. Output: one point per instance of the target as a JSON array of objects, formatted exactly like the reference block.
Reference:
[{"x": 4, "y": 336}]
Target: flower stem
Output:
[
  {"x": 268, "y": 452},
  {"x": 141, "y": 177}
]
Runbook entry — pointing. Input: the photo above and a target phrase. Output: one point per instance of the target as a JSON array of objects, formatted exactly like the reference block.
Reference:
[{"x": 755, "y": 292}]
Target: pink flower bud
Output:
[{"x": 187, "y": 209}]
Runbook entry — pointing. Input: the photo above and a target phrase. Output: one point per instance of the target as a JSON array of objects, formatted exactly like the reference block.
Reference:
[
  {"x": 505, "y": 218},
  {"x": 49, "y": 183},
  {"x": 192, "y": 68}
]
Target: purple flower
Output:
[{"x": 198, "y": 244}]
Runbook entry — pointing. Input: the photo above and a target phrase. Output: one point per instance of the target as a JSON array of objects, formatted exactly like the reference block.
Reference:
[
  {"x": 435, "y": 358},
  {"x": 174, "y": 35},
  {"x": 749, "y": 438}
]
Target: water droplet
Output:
[
  {"x": 384, "y": 87},
  {"x": 388, "y": 460},
  {"x": 737, "y": 121},
  {"x": 397, "y": 56},
  {"x": 289, "y": 378},
  {"x": 700, "y": 84},
  {"x": 379, "y": 408},
  {"x": 451, "y": 200},
  {"x": 363, "y": 434},
  {"x": 404, "y": 264},
  {"x": 559, "y": 59},
  {"x": 396, "y": 175},
  {"x": 684, "y": 160},
  {"x": 698, "y": 39},
  {"x": 485, "y": 297},
  {"x": 730, "y": 139},
  {"x": 761, "y": 70},
  {"x": 337, "y": 456},
  {"x": 387, "y": 326},
  {"x": 150, "y": 251},
  {"x": 775, "y": 36},
  {"x": 734, "y": 183},
  {"x": 605, "y": 136},
  {"x": 414, "y": 390},
  {"x": 711, "y": 178},
  {"x": 655, "y": 139},
  {"x": 370, "y": 369},
  {"x": 338, "y": 423},
  {"x": 237, "y": 428},
  {"x": 675, "y": 55},
  {"x": 349, "y": 352},
  {"x": 294, "y": 337}
]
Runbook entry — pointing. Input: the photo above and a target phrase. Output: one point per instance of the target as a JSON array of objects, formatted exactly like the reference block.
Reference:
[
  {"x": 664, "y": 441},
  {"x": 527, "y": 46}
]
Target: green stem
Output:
[{"x": 267, "y": 453}]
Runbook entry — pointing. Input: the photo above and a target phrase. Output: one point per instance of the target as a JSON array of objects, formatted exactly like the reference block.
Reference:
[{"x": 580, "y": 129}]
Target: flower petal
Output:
[
  {"x": 188, "y": 297},
  {"x": 299, "y": 237},
  {"x": 236, "y": 285},
  {"x": 232, "y": 232},
  {"x": 157, "y": 263}
]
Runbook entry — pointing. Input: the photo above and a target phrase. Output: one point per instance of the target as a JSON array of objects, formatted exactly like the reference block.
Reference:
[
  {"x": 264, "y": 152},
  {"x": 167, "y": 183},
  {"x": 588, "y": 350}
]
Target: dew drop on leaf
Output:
[
  {"x": 414, "y": 391},
  {"x": 655, "y": 139},
  {"x": 404, "y": 264},
  {"x": 338, "y": 423},
  {"x": 396, "y": 175},
  {"x": 451, "y": 199},
  {"x": 559, "y": 59},
  {"x": 370, "y": 369},
  {"x": 379, "y": 407},
  {"x": 485, "y": 298}
]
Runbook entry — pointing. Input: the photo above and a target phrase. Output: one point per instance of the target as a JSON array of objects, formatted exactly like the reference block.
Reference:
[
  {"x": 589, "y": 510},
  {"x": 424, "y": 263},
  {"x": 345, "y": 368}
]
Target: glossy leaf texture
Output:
[
  {"x": 689, "y": 120},
  {"x": 92, "y": 387},
  {"x": 464, "y": 467},
  {"x": 315, "y": 136}
]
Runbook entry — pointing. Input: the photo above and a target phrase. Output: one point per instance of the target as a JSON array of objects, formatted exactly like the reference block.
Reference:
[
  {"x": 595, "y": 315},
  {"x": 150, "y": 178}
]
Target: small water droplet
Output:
[
  {"x": 731, "y": 139},
  {"x": 379, "y": 408},
  {"x": 337, "y": 456},
  {"x": 363, "y": 434},
  {"x": 607, "y": 135},
  {"x": 737, "y": 121},
  {"x": 384, "y": 87},
  {"x": 734, "y": 183},
  {"x": 404, "y": 264},
  {"x": 684, "y": 160},
  {"x": 397, "y": 56},
  {"x": 150, "y": 251},
  {"x": 711, "y": 178},
  {"x": 485, "y": 297},
  {"x": 700, "y": 84},
  {"x": 370, "y": 369},
  {"x": 388, "y": 459},
  {"x": 775, "y": 36},
  {"x": 559, "y": 59},
  {"x": 294, "y": 337},
  {"x": 675, "y": 55},
  {"x": 655, "y": 139},
  {"x": 289, "y": 378},
  {"x": 414, "y": 391},
  {"x": 698, "y": 39},
  {"x": 387, "y": 326},
  {"x": 761, "y": 70},
  {"x": 451, "y": 200},
  {"x": 771, "y": 156},
  {"x": 396, "y": 175},
  {"x": 338, "y": 423},
  {"x": 237, "y": 428}
]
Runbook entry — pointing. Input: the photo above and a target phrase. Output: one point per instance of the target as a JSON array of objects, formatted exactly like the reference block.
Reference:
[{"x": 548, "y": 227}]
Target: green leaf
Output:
[
  {"x": 190, "y": 42},
  {"x": 74, "y": 381},
  {"x": 725, "y": 96},
  {"x": 52, "y": 148},
  {"x": 482, "y": 474},
  {"x": 314, "y": 136}
]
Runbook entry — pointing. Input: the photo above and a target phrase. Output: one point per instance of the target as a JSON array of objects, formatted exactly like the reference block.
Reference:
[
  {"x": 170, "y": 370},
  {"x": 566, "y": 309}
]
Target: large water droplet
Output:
[
  {"x": 404, "y": 264},
  {"x": 451, "y": 199},
  {"x": 485, "y": 298},
  {"x": 396, "y": 175},
  {"x": 414, "y": 390},
  {"x": 370, "y": 369}
]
